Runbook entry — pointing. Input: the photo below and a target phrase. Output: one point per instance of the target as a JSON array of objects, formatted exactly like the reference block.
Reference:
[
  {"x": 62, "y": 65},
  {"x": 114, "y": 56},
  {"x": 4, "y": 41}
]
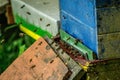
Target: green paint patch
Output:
[
  {"x": 78, "y": 45},
  {"x": 32, "y": 27}
]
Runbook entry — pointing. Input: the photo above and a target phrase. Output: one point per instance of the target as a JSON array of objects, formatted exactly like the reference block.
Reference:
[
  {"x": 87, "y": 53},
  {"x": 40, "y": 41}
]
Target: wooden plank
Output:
[{"x": 38, "y": 62}]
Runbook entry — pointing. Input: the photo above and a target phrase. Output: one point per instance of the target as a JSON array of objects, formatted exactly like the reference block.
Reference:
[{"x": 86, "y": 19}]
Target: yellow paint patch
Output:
[
  {"x": 30, "y": 33},
  {"x": 85, "y": 67}
]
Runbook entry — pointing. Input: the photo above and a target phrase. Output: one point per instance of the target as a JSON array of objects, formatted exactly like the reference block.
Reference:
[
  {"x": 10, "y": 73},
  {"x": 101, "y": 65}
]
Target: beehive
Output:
[
  {"x": 39, "y": 16},
  {"x": 95, "y": 23}
]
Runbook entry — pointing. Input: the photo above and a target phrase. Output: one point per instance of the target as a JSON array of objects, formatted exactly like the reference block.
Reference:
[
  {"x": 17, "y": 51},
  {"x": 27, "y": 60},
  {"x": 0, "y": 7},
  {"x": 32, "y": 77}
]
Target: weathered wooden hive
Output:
[
  {"x": 94, "y": 22},
  {"x": 40, "y": 16}
]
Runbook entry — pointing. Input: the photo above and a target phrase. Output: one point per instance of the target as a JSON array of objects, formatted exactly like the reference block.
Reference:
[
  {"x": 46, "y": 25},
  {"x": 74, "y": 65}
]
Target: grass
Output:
[{"x": 12, "y": 44}]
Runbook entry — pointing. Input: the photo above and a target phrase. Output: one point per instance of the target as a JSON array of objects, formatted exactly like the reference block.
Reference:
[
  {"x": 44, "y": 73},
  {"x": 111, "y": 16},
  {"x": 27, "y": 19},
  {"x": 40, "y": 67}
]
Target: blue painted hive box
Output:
[{"x": 94, "y": 22}]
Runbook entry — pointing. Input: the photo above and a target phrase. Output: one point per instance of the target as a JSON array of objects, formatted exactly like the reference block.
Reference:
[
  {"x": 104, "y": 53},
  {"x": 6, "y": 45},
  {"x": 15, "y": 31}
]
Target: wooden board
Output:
[{"x": 38, "y": 62}]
